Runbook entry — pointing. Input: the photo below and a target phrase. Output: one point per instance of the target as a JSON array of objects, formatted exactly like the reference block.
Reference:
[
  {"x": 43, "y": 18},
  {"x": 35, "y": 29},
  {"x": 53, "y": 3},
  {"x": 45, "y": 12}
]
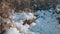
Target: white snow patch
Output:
[{"x": 12, "y": 31}]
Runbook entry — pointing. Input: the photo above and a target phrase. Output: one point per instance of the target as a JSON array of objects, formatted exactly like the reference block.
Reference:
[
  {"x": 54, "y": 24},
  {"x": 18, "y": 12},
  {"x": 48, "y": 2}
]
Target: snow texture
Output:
[{"x": 45, "y": 23}]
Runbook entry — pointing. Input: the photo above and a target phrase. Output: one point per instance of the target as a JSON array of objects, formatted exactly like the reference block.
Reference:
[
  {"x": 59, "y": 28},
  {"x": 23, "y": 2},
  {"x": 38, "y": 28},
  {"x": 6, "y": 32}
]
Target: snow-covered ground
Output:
[{"x": 45, "y": 23}]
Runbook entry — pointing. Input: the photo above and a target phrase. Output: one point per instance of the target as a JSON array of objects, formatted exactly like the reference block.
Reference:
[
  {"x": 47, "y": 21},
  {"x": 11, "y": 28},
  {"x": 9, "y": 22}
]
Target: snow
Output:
[
  {"x": 33, "y": 24},
  {"x": 22, "y": 16},
  {"x": 45, "y": 23},
  {"x": 18, "y": 18},
  {"x": 12, "y": 31}
]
